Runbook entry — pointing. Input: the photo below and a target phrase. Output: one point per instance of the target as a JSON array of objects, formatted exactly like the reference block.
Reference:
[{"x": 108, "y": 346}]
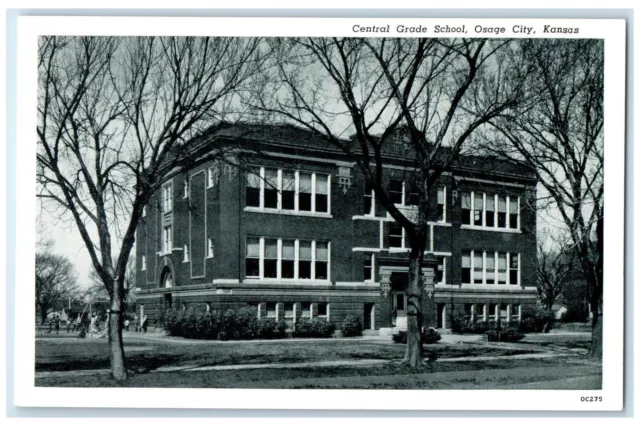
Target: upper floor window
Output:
[
  {"x": 396, "y": 236},
  {"x": 144, "y": 211},
  {"x": 210, "y": 247},
  {"x": 185, "y": 189},
  {"x": 167, "y": 242},
  {"x": 210, "y": 177},
  {"x": 403, "y": 193},
  {"x": 277, "y": 189},
  {"x": 369, "y": 267},
  {"x": 369, "y": 199},
  {"x": 279, "y": 258},
  {"x": 441, "y": 274},
  {"x": 442, "y": 204},
  {"x": 143, "y": 263},
  {"x": 185, "y": 258},
  {"x": 490, "y": 210},
  {"x": 167, "y": 197},
  {"x": 490, "y": 267}
]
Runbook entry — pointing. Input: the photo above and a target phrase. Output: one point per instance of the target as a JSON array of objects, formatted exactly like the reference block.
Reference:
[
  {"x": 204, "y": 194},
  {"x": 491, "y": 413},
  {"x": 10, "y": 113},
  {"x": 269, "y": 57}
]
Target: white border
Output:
[{"x": 26, "y": 394}]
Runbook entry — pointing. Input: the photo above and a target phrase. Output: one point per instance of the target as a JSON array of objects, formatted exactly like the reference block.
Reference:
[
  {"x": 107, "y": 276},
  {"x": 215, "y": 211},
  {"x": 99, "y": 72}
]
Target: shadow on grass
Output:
[{"x": 138, "y": 364}]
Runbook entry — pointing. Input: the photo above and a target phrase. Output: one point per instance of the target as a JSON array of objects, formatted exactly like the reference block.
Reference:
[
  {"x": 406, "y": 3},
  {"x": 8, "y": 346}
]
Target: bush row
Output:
[
  {"x": 429, "y": 336},
  {"x": 532, "y": 323},
  {"x": 508, "y": 334},
  {"x": 244, "y": 324}
]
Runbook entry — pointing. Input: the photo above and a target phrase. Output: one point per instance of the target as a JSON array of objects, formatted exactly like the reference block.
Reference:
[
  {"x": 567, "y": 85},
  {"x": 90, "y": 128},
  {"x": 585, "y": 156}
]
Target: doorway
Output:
[
  {"x": 369, "y": 316},
  {"x": 441, "y": 315},
  {"x": 399, "y": 309}
]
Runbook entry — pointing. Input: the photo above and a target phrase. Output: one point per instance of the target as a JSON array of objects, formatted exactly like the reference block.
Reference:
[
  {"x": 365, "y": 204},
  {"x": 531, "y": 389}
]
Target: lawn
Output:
[
  {"x": 149, "y": 359},
  {"x": 89, "y": 354}
]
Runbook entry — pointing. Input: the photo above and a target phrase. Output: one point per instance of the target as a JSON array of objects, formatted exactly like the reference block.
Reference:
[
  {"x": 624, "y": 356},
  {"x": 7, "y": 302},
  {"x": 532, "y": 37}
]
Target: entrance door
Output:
[
  {"x": 369, "y": 316},
  {"x": 399, "y": 310},
  {"x": 441, "y": 316}
]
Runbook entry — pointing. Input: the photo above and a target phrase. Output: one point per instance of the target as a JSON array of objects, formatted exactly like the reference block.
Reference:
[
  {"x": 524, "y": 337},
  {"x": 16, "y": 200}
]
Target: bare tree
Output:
[
  {"x": 55, "y": 283},
  {"x": 114, "y": 119},
  {"x": 560, "y": 133},
  {"x": 415, "y": 99},
  {"x": 97, "y": 289},
  {"x": 554, "y": 270}
]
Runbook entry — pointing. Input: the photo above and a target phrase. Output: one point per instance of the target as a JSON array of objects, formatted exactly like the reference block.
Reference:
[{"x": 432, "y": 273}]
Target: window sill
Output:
[
  {"x": 399, "y": 250},
  {"x": 484, "y": 228},
  {"x": 285, "y": 281},
  {"x": 288, "y": 212},
  {"x": 372, "y": 217},
  {"x": 209, "y": 257}
]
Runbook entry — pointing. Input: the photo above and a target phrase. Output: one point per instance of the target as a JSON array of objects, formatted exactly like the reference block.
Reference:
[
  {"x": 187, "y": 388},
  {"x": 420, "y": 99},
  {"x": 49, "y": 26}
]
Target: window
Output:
[
  {"x": 478, "y": 266},
  {"x": 323, "y": 310},
  {"x": 276, "y": 258},
  {"x": 468, "y": 311},
  {"x": 490, "y": 210},
  {"x": 514, "y": 213},
  {"x": 144, "y": 211},
  {"x": 167, "y": 197},
  {"x": 209, "y": 247},
  {"x": 167, "y": 240},
  {"x": 271, "y": 188},
  {"x": 322, "y": 193},
  {"x": 369, "y": 199},
  {"x": 515, "y": 313},
  {"x": 414, "y": 195},
  {"x": 490, "y": 267},
  {"x": 185, "y": 258},
  {"x": 304, "y": 265},
  {"x": 479, "y": 313},
  {"x": 440, "y": 271},
  {"x": 277, "y": 189},
  {"x": 143, "y": 266},
  {"x": 369, "y": 262},
  {"x": 493, "y": 311},
  {"x": 442, "y": 210},
  {"x": 322, "y": 260},
  {"x": 503, "y": 312},
  {"x": 288, "y": 259},
  {"x": 288, "y": 190},
  {"x": 210, "y": 177},
  {"x": 272, "y": 310},
  {"x": 478, "y": 209},
  {"x": 396, "y": 236},
  {"x": 253, "y": 189},
  {"x": 502, "y": 268},
  {"x": 288, "y": 310},
  {"x": 466, "y": 208},
  {"x": 270, "y": 258},
  {"x": 502, "y": 211},
  {"x": 396, "y": 191},
  {"x": 305, "y": 310},
  {"x": 252, "y": 262},
  {"x": 185, "y": 189},
  {"x": 466, "y": 267},
  {"x": 514, "y": 269}
]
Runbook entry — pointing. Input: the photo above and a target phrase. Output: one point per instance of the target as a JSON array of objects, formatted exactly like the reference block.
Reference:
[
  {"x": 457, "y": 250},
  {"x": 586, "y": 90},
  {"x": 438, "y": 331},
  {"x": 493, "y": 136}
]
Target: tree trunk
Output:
[
  {"x": 596, "y": 333},
  {"x": 413, "y": 356},
  {"x": 43, "y": 314},
  {"x": 116, "y": 347}
]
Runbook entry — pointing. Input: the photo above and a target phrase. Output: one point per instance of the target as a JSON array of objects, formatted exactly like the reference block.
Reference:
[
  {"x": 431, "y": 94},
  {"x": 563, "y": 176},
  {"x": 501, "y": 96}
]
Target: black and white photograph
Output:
[{"x": 411, "y": 207}]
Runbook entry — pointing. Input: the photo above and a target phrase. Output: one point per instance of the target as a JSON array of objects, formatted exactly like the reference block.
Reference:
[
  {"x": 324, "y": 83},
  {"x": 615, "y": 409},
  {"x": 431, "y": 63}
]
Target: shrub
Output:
[
  {"x": 172, "y": 321},
  {"x": 429, "y": 336},
  {"x": 272, "y": 329},
  {"x": 480, "y": 327},
  {"x": 460, "y": 323},
  {"x": 351, "y": 326},
  {"x": 509, "y": 334},
  {"x": 316, "y": 327}
]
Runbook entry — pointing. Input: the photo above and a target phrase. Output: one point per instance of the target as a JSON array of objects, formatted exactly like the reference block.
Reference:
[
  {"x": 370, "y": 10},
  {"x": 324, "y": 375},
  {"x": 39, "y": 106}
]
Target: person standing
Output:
[
  {"x": 143, "y": 324},
  {"x": 57, "y": 321}
]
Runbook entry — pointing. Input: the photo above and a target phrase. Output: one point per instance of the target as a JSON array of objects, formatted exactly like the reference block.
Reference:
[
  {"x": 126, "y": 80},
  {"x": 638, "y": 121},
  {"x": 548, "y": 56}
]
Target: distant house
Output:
[{"x": 299, "y": 234}]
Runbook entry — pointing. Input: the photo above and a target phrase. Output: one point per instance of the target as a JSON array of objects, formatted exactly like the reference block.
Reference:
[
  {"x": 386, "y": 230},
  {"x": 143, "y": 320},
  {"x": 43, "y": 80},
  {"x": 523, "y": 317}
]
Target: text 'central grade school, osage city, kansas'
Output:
[{"x": 462, "y": 29}]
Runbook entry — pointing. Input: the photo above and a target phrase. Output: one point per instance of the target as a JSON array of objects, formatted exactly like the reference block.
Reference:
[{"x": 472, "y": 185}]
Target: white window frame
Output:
[
  {"x": 210, "y": 248},
  {"x": 167, "y": 239},
  {"x": 516, "y": 317},
  {"x": 485, "y": 255},
  {"x": 167, "y": 197},
  {"x": 372, "y": 256},
  {"x": 185, "y": 258},
  {"x": 444, "y": 206},
  {"x": 495, "y": 226},
  {"x": 143, "y": 266},
  {"x": 210, "y": 177},
  {"x": 185, "y": 189},
  {"x": 371, "y": 212},
  {"x": 296, "y": 207},
  {"x": 296, "y": 275},
  {"x": 403, "y": 246},
  {"x": 144, "y": 211},
  {"x": 509, "y": 269}
]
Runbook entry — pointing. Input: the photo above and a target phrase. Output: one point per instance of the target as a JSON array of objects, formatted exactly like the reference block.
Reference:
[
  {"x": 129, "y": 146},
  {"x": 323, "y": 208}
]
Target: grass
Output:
[
  {"x": 460, "y": 375},
  {"x": 89, "y": 354}
]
